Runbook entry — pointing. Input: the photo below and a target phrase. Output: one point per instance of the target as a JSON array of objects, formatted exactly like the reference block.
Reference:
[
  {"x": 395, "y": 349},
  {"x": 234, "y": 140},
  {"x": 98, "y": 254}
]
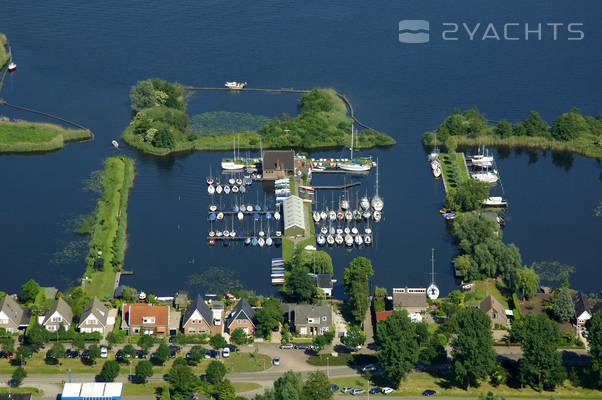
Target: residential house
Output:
[
  {"x": 60, "y": 314},
  {"x": 242, "y": 316},
  {"x": 217, "y": 309},
  {"x": 495, "y": 310},
  {"x": 12, "y": 316},
  {"x": 309, "y": 319},
  {"x": 411, "y": 299},
  {"x": 278, "y": 164},
  {"x": 198, "y": 318},
  {"x": 145, "y": 319},
  {"x": 324, "y": 282},
  {"x": 583, "y": 308},
  {"x": 95, "y": 318}
]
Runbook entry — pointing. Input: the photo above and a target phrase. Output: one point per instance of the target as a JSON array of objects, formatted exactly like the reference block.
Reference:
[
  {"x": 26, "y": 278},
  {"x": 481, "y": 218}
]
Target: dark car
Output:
[
  {"x": 276, "y": 328},
  {"x": 119, "y": 355},
  {"x": 173, "y": 353},
  {"x": 141, "y": 354},
  {"x": 73, "y": 354},
  {"x": 301, "y": 346},
  {"x": 428, "y": 392},
  {"x": 333, "y": 388},
  {"x": 175, "y": 348},
  {"x": 85, "y": 354},
  {"x": 3, "y": 354},
  {"x": 233, "y": 348},
  {"x": 49, "y": 354},
  {"x": 215, "y": 354},
  {"x": 375, "y": 390}
]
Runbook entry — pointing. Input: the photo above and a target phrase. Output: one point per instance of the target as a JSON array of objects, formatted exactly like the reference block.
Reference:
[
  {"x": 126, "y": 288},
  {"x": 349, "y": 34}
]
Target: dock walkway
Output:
[{"x": 337, "y": 187}]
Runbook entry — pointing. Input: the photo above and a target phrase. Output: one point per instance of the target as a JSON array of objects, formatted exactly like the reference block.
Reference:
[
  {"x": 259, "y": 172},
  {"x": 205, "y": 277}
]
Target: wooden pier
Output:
[
  {"x": 337, "y": 187},
  {"x": 262, "y": 212}
]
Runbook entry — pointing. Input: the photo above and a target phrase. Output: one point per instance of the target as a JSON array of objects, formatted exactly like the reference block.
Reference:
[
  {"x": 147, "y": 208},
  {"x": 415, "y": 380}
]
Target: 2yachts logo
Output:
[{"x": 418, "y": 31}]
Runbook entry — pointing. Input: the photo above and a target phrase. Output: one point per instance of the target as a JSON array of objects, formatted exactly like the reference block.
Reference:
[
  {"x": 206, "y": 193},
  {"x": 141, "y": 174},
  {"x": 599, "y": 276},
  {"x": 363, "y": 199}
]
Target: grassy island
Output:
[
  {"x": 161, "y": 125},
  {"x": 4, "y": 53},
  {"x": 21, "y": 136},
  {"x": 570, "y": 131},
  {"x": 109, "y": 231}
]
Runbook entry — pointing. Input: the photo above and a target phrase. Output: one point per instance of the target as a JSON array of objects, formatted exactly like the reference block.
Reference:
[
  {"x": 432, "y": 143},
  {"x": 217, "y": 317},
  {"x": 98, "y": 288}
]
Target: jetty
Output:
[{"x": 337, "y": 187}]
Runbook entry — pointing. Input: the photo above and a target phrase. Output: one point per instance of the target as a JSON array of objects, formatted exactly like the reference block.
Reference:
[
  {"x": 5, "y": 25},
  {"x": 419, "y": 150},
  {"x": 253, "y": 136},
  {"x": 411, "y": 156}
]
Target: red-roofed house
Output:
[{"x": 145, "y": 319}]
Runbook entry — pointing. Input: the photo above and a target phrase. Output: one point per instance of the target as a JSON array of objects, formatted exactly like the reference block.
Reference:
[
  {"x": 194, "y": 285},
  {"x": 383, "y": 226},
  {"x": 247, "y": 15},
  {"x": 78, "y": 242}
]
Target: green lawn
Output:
[
  {"x": 454, "y": 171},
  {"x": 30, "y": 136},
  {"x": 478, "y": 292},
  {"x": 147, "y": 389},
  {"x": 418, "y": 382},
  {"x": 242, "y": 387},
  {"x": 16, "y": 390}
]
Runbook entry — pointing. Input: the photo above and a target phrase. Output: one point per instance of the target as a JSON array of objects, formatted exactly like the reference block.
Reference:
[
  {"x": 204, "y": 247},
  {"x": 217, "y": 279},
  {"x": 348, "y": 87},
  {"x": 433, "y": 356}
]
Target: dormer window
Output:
[
  {"x": 311, "y": 320},
  {"x": 148, "y": 320},
  {"x": 324, "y": 318}
]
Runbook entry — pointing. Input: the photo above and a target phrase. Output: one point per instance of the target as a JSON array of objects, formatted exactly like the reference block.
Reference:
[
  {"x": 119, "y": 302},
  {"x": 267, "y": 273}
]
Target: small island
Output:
[
  {"x": 161, "y": 125},
  {"x": 4, "y": 53},
  {"x": 24, "y": 137},
  {"x": 570, "y": 131}
]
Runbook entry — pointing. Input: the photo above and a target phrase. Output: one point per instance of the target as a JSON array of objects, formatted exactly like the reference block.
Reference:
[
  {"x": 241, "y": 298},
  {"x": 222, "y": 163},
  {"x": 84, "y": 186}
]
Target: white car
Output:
[
  {"x": 276, "y": 360},
  {"x": 370, "y": 367},
  {"x": 226, "y": 352},
  {"x": 387, "y": 390},
  {"x": 357, "y": 391},
  {"x": 104, "y": 352}
]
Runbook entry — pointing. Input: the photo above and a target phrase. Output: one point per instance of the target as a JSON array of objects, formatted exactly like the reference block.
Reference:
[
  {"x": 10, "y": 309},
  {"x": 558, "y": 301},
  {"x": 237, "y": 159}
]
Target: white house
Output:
[
  {"x": 60, "y": 314},
  {"x": 583, "y": 309},
  {"x": 95, "y": 318}
]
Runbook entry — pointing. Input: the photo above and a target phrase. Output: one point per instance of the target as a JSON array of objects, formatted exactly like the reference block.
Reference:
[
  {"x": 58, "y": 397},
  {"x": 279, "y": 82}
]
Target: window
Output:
[
  {"x": 136, "y": 330},
  {"x": 3, "y": 321},
  {"x": 323, "y": 329},
  {"x": 192, "y": 330},
  {"x": 202, "y": 330},
  {"x": 56, "y": 319},
  {"x": 311, "y": 321},
  {"x": 148, "y": 320},
  {"x": 240, "y": 321},
  {"x": 148, "y": 331}
]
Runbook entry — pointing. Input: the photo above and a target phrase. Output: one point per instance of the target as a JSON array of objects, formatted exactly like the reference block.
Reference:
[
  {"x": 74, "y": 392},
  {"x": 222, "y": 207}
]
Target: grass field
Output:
[
  {"x": 454, "y": 171},
  {"x": 478, "y": 292},
  {"x": 32, "y": 136},
  {"x": 418, "y": 382},
  {"x": 151, "y": 389},
  {"x": 110, "y": 227},
  {"x": 17, "y": 390},
  {"x": 242, "y": 387}
]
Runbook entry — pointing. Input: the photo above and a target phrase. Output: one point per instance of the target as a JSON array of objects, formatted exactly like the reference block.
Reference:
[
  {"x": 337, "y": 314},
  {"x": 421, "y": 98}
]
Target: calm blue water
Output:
[{"x": 79, "y": 61}]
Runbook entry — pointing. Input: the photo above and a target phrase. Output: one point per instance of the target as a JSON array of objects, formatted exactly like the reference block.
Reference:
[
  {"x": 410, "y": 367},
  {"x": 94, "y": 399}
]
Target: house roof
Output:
[
  {"x": 491, "y": 303},
  {"x": 278, "y": 160},
  {"x": 15, "y": 313},
  {"x": 202, "y": 307},
  {"x": 325, "y": 281},
  {"x": 293, "y": 212},
  {"x": 132, "y": 314},
  {"x": 217, "y": 305},
  {"x": 119, "y": 291},
  {"x": 410, "y": 298},
  {"x": 96, "y": 308},
  {"x": 196, "y": 396},
  {"x": 301, "y": 313},
  {"x": 62, "y": 308},
  {"x": 383, "y": 315},
  {"x": 243, "y": 307},
  {"x": 582, "y": 304}
]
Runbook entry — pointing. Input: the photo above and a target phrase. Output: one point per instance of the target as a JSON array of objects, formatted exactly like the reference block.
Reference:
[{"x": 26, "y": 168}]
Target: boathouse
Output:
[
  {"x": 294, "y": 218},
  {"x": 278, "y": 164}
]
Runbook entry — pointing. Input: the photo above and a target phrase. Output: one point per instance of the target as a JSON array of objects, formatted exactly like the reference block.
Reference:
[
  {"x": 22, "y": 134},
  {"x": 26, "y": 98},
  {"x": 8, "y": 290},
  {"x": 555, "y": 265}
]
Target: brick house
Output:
[
  {"x": 145, "y": 319},
  {"x": 198, "y": 318},
  {"x": 94, "y": 318},
  {"x": 242, "y": 316},
  {"x": 60, "y": 314},
  {"x": 12, "y": 316}
]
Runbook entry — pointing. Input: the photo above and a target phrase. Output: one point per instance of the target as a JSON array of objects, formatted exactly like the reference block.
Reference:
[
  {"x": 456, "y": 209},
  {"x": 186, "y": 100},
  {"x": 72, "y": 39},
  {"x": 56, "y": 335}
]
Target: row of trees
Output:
[{"x": 290, "y": 386}]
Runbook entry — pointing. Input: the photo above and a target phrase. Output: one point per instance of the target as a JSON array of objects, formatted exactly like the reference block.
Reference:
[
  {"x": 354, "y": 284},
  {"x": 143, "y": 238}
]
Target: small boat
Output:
[
  {"x": 254, "y": 241},
  {"x": 234, "y": 189},
  {"x": 211, "y": 234},
  {"x": 230, "y": 165},
  {"x": 212, "y": 217},
  {"x": 348, "y": 215},
  {"x": 345, "y": 204},
  {"x": 210, "y": 189},
  {"x": 365, "y": 203},
  {"x": 256, "y": 217},
  {"x": 232, "y": 234},
  {"x": 277, "y": 242},
  {"x": 268, "y": 241},
  {"x": 348, "y": 240},
  {"x": 339, "y": 231},
  {"x": 249, "y": 208},
  {"x": 495, "y": 201},
  {"x": 226, "y": 233},
  {"x": 231, "y": 181},
  {"x": 277, "y": 216},
  {"x": 377, "y": 216},
  {"x": 210, "y": 181},
  {"x": 220, "y": 216},
  {"x": 357, "y": 215},
  {"x": 257, "y": 207},
  {"x": 218, "y": 233},
  {"x": 115, "y": 144},
  {"x": 323, "y": 215},
  {"x": 330, "y": 240},
  {"x": 211, "y": 242},
  {"x": 354, "y": 230},
  {"x": 316, "y": 216},
  {"x": 307, "y": 188},
  {"x": 321, "y": 239},
  {"x": 212, "y": 207},
  {"x": 435, "y": 164},
  {"x": 449, "y": 215},
  {"x": 437, "y": 172},
  {"x": 247, "y": 241},
  {"x": 278, "y": 233},
  {"x": 482, "y": 160},
  {"x": 368, "y": 240},
  {"x": 377, "y": 203},
  {"x": 340, "y": 215},
  {"x": 261, "y": 233},
  {"x": 268, "y": 215},
  {"x": 248, "y": 181},
  {"x": 347, "y": 230},
  {"x": 12, "y": 67},
  {"x": 238, "y": 181},
  {"x": 242, "y": 189},
  {"x": 226, "y": 242},
  {"x": 332, "y": 231},
  {"x": 489, "y": 177},
  {"x": 359, "y": 240},
  {"x": 367, "y": 214},
  {"x": 226, "y": 189},
  {"x": 367, "y": 231},
  {"x": 332, "y": 215},
  {"x": 233, "y": 85},
  {"x": 219, "y": 189},
  {"x": 339, "y": 239},
  {"x": 467, "y": 286},
  {"x": 261, "y": 242},
  {"x": 235, "y": 208},
  {"x": 324, "y": 230},
  {"x": 282, "y": 191}
]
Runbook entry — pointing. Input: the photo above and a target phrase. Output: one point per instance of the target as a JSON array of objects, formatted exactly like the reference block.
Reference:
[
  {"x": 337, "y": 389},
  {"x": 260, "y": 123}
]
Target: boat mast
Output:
[
  {"x": 432, "y": 266},
  {"x": 377, "y": 176},
  {"x": 351, "y": 141}
]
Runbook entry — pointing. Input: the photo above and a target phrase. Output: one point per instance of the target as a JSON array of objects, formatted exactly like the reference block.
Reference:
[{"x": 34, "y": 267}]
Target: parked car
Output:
[
  {"x": 175, "y": 348},
  {"x": 301, "y": 346},
  {"x": 375, "y": 390},
  {"x": 428, "y": 392},
  {"x": 104, "y": 353},
  {"x": 276, "y": 328},
  {"x": 207, "y": 353},
  {"x": 369, "y": 367},
  {"x": 387, "y": 390},
  {"x": 216, "y": 354},
  {"x": 333, "y": 388},
  {"x": 49, "y": 354},
  {"x": 276, "y": 360},
  {"x": 346, "y": 389},
  {"x": 356, "y": 391},
  {"x": 72, "y": 353},
  {"x": 226, "y": 352},
  {"x": 3, "y": 354},
  {"x": 233, "y": 348},
  {"x": 85, "y": 354},
  {"x": 287, "y": 346},
  {"x": 173, "y": 354},
  {"x": 141, "y": 354},
  {"x": 10, "y": 355},
  {"x": 119, "y": 355}
]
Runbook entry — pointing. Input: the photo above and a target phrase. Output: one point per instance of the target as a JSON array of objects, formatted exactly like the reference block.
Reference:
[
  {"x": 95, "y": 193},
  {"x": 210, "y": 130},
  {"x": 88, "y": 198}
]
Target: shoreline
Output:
[{"x": 62, "y": 136}]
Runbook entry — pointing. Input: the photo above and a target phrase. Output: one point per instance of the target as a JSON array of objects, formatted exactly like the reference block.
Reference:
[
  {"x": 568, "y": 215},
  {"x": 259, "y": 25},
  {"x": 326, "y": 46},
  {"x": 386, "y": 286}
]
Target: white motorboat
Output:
[
  {"x": 211, "y": 234},
  {"x": 316, "y": 216},
  {"x": 344, "y": 204},
  {"x": 348, "y": 215},
  {"x": 366, "y": 214},
  {"x": 212, "y": 207},
  {"x": 235, "y": 85},
  {"x": 261, "y": 233},
  {"x": 377, "y": 216},
  {"x": 226, "y": 233},
  {"x": 261, "y": 242},
  {"x": 368, "y": 240},
  {"x": 218, "y": 233},
  {"x": 249, "y": 208},
  {"x": 210, "y": 181},
  {"x": 435, "y": 164},
  {"x": 321, "y": 240},
  {"x": 348, "y": 240},
  {"x": 339, "y": 231},
  {"x": 240, "y": 216},
  {"x": 495, "y": 201},
  {"x": 359, "y": 240},
  {"x": 323, "y": 215},
  {"x": 278, "y": 233},
  {"x": 332, "y": 215},
  {"x": 12, "y": 67},
  {"x": 115, "y": 143},
  {"x": 268, "y": 241},
  {"x": 234, "y": 189},
  {"x": 489, "y": 177},
  {"x": 367, "y": 231},
  {"x": 347, "y": 230},
  {"x": 231, "y": 181},
  {"x": 437, "y": 172},
  {"x": 219, "y": 189},
  {"x": 354, "y": 230},
  {"x": 277, "y": 216},
  {"x": 330, "y": 240},
  {"x": 324, "y": 230},
  {"x": 220, "y": 216},
  {"x": 211, "y": 189},
  {"x": 226, "y": 189},
  {"x": 232, "y": 234},
  {"x": 339, "y": 239},
  {"x": 365, "y": 203}
]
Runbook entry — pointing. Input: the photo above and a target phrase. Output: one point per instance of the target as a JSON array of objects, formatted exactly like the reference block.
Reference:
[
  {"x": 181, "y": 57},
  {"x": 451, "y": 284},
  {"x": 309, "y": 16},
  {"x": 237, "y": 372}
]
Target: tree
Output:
[
  {"x": 215, "y": 372},
  {"x": 570, "y": 125},
  {"x": 129, "y": 294},
  {"x": 18, "y": 375},
  {"x": 146, "y": 342},
  {"x": 503, "y": 129},
  {"x": 321, "y": 341},
  {"x": 142, "y": 95},
  {"x": 535, "y": 125},
  {"x": 162, "y": 354},
  {"x": 316, "y": 387},
  {"x": 29, "y": 291},
  {"x": 218, "y": 341},
  {"x": 399, "y": 346},
  {"x": 23, "y": 352},
  {"x": 299, "y": 287},
  {"x": 181, "y": 377},
  {"x": 239, "y": 336},
  {"x": 58, "y": 350},
  {"x": 473, "y": 329},
  {"x": 129, "y": 351},
  {"x": 527, "y": 282},
  {"x": 144, "y": 370},
  {"x": 114, "y": 338},
  {"x": 357, "y": 286},
  {"x": 469, "y": 195},
  {"x": 564, "y": 308},
  {"x": 355, "y": 337},
  {"x": 196, "y": 353},
  {"x": 109, "y": 371},
  {"x": 7, "y": 345},
  {"x": 225, "y": 390},
  {"x": 78, "y": 342},
  {"x": 594, "y": 326},
  {"x": 36, "y": 335},
  {"x": 452, "y": 144},
  {"x": 288, "y": 386},
  {"x": 269, "y": 316},
  {"x": 93, "y": 353},
  {"x": 541, "y": 363}
]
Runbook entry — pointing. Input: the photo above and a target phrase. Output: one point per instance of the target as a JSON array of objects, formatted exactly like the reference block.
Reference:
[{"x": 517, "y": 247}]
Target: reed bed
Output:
[{"x": 22, "y": 137}]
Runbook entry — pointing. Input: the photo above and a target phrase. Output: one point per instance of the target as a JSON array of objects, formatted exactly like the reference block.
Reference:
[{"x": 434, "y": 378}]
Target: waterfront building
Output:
[
  {"x": 242, "y": 316},
  {"x": 12, "y": 316},
  {"x": 495, "y": 310},
  {"x": 411, "y": 299},
  {"x": 198, "y": 318},
  {"x": 95, "y": 318},
  {"x": 60, "y": 314},
  {"x": 278, "y": 164},
  {"x": 309, "y": 319},
  {"x": 145, "y": 319},
  {"x": 294, "y": 216}
]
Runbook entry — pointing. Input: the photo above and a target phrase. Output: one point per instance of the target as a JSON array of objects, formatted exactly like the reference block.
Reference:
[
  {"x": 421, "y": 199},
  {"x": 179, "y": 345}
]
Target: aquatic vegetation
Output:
[
  {"x": 223, "y": 122},
  {"x": 217, "y": 280},
  {"x": 73, "y": 252},
  {"x": 553, "y": 270}
]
